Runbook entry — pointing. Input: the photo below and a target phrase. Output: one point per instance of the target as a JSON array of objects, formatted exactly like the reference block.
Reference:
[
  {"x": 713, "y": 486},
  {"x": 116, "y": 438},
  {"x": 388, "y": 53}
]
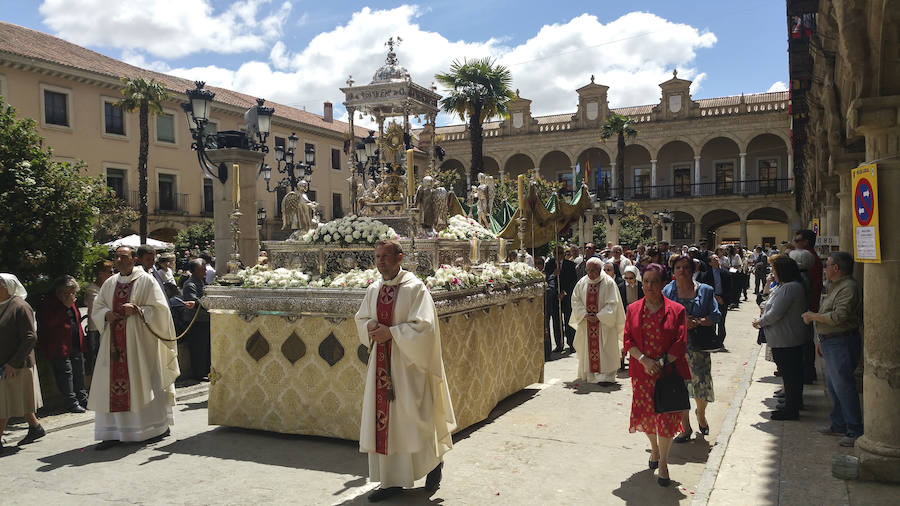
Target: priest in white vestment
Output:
[
  {"x": 133, "y": 388},
  {"x": 407, "y": 416},
  {"x": 599, "y": 322}
]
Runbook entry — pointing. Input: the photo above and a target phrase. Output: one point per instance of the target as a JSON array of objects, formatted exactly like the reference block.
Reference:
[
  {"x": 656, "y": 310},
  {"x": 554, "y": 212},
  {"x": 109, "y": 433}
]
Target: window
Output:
[
  {"x": 335, "y": 159},
  {"x": 280, "y": 192},
  {"x": 56, "y": 108},
  {"x": 642, "y": 182},
  {"x": 166, "y": 197},
  {"x": 115, "y": 179},
  {"x": 768, "y": 175},
  {"x": 211, "y": 128},
  {"x": 311, "y": 194},
  {"x": 724, "y": 177},
  {"x": 604, "y": 178},
  {"x": 113, "y": 119},
  {"x": 279, "y": 141},
  {"x": 681, "y": 179},
  {"x": 165, "y": 128},
  {"x": 337, "y": 209},
  {"x": 207, "y": 195},
  {"x": 682, "y": 231}
]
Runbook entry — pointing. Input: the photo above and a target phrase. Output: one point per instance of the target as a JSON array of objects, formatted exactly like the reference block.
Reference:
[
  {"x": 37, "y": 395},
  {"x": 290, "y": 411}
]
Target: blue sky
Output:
[{"x": 298, "y": 52}]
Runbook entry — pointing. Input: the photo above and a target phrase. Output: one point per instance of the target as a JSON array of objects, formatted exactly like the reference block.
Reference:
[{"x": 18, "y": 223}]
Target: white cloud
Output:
[
  {"x": 778, "y": 86},
  {"x": 166, "y": 28},
  {"x": 631, "y": 55}
]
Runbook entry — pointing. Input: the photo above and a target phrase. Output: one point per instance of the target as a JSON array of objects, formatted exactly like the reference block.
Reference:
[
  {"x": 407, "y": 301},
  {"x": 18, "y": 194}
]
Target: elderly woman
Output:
[
  {"x": 20, "y": 392},
  {"x": 702, "y": 313},
  {"x": 805, "y": 261},
  {"x": 655, "y": 335},
  {"x": 786, "y": 333},
  {"x": 611, "y": 269},
  {"x": 61, "y": 340}
]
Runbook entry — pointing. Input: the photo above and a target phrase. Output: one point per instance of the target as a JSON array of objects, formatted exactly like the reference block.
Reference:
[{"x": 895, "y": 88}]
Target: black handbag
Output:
[
  {"x": 670, "y": 393},
  {"x": 702, "y": 338}
]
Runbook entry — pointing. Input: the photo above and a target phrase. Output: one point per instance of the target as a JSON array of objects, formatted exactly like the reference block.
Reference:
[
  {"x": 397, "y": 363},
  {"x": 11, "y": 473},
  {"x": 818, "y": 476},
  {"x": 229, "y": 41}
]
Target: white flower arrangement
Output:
[
  {"x": 519, "y": 272},
  {"x": 461, "y": 228},
  {"x": 448, "y": 277},
  {"x": 260, "y": 276},
  {"x": 350, "y": 230},
  {"x": 354, "y": 279},
  {"x": 490, "y": 274}
]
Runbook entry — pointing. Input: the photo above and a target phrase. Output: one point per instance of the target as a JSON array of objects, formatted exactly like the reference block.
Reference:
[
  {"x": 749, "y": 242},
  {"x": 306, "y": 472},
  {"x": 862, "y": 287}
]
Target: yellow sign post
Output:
[
  {"x": 866, "y": 240},
  {"x": 815, "y": 227}
]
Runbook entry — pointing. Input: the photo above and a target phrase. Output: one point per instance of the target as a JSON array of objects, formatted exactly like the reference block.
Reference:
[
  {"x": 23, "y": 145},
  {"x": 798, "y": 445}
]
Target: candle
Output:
[
  {"x": 410, "y": 176},
  {"x": 521, "y": 187},
  {"x": 236, "y": 184}
]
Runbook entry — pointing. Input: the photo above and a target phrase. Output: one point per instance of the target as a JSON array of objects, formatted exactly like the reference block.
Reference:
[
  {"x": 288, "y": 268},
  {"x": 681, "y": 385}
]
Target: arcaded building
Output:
[{"x": 722, "y": 166}]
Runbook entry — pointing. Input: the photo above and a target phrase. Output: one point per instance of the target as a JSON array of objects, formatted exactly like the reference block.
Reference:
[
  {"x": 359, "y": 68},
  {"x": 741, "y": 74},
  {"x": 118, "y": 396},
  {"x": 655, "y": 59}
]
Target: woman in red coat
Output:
[
  {"x": 655, "y": 333},
  {"x": 61, "y": 341}
]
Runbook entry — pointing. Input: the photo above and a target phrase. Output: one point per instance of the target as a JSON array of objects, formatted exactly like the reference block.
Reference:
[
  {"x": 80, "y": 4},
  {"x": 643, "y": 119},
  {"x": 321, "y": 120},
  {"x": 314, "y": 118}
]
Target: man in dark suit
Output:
[
  {"x": 551, "y": 305},
  {"x": 198, "y": 339},
  {"x": 720, "y": 279},
  {"x": 567, "y": 280}
]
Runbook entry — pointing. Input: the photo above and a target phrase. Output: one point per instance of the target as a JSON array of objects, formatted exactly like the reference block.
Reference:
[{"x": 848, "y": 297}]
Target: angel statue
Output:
[
  {"x": 441, "y": 202},
  {"x": 297, "y": 211}
]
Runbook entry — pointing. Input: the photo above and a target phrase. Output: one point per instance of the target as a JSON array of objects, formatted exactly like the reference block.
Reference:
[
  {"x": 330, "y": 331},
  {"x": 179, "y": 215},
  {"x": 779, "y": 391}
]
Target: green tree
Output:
[
  {"x": 197, "y": 237},
  {"x": 48, "y": 209},
  {"x": 635, "y": 227},
  {"x": 620, "y": 127},
  {"x": 147, "y": 97},
  {"x": 479, "y": 90}
]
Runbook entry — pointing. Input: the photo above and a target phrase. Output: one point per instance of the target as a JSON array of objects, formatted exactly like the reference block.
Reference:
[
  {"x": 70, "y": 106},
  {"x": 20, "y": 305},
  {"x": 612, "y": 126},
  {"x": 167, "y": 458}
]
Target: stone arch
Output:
[
  {"x": 741, "y": 145},
  {"x": 713, "y": 220},
  {"x": 770, "y": 224},
  {"x": 556, "y": 165},
  {"x": 518, "y": 163},
  {"x": 459, "y": 186},
  {"x": 637, "y": 170},
  {"x": 762, "y": 150},
  {"x": 675, "y": 167},
  {"x": 768, "y": 213},
  {"x": 601, "y": 178},
  {"x": 720, "y": 165},
  {"x": 683, "y": 225},
  {"x": 492, "y": 167}
]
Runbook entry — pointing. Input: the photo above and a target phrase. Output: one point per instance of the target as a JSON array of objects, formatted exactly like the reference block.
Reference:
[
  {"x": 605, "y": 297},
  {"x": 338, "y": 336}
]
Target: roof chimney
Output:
[{"x": 329, "y": 112}]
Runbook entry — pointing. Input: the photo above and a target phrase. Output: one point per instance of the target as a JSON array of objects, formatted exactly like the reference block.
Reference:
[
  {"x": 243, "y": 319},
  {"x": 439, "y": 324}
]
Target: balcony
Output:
[
  {"x": 674, "y": 191},
  {"x": 169, "y": 203}
]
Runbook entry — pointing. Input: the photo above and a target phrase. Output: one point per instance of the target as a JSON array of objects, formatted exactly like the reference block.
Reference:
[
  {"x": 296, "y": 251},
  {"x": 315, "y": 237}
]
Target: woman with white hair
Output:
[
  {"x": 20, "y": 392},
  {"x": 805, "y": 260}
]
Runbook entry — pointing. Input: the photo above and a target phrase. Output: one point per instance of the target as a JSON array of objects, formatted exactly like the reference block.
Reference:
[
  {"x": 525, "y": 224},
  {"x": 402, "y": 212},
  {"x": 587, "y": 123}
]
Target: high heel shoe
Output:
[
  {"x": 653, "y": 464},
  {"x": 704, "y": 430},
  {"x": 663, "y": 482},
  {"x": 683, "y": 438}
]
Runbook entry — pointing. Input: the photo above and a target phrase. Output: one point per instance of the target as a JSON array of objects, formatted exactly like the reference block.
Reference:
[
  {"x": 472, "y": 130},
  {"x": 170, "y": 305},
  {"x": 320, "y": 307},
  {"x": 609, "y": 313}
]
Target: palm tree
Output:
[
  {"x": 147, "y": 97},
  {"x": 621, "y": 127},
  {"x": 479, "y": 90}
]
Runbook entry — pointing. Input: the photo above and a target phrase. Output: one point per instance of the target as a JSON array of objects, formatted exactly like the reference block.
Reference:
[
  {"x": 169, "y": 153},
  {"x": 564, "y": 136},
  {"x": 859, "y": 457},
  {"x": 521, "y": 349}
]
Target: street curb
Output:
[
  {"x": 190, "y": 392},
  {"x": 714, "y": 461}
]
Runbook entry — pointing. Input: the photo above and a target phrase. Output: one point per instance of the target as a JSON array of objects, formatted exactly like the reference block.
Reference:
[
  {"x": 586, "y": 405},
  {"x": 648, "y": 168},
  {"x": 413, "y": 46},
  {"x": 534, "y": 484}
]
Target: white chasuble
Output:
[
  {"x": 419, "y": 419},
  {"x": 600, "y": 345},
  {"x": 133, "y": 387}
]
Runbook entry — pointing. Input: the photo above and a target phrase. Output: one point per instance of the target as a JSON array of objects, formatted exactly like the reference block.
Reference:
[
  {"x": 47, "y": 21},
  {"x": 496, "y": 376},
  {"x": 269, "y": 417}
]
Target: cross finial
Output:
[
  {"x": 675, "y": 73},
  {"x": 392, "y": 56},
  {"x": 592, "y": 78},
  {"x": 350, "y": 80},
  {"x": 517, "y": 92}
]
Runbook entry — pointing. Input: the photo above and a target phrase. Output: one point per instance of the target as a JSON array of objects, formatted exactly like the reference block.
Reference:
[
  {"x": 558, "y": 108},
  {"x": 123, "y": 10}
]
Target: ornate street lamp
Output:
[
  {"x": 665, "y": 217},
  {"x": 260, "y": 216},
  {"x": 285, "y": 164},
  {"x": 367, "y": 155},
  {"x": 196, "y": 111},
  {"x": 614, "y": 207}
]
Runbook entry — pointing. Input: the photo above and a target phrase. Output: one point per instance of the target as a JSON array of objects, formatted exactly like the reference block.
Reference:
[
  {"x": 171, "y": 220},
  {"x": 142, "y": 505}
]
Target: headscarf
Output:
[
  {"x": 12, "y": 285},
  {"x": 636, "y": 271}
]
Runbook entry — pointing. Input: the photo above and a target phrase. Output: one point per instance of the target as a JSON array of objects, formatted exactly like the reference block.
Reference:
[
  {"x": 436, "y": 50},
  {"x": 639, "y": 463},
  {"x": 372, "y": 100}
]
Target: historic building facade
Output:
[
  {"x": 722, "y": 166},
  {"x": 70, "y": 92}
]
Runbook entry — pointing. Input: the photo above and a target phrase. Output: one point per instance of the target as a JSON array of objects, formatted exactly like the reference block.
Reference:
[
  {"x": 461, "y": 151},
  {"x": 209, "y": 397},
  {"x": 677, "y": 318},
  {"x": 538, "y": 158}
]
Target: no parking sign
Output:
[{"x": 866, "y": 243}]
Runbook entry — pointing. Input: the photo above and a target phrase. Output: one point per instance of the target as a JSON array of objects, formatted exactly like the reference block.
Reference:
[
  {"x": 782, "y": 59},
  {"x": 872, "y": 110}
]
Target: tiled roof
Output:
[
  {"x": 754, "y": 98},
  {"x": 553, "y": 118},
  {"x": 633, "y": 110},
  {"x": 21, "y": 41}
]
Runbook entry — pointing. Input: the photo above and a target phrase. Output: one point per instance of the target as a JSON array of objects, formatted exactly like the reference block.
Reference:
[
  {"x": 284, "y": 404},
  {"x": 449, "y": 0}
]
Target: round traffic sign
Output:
[{"x": 864, "y": 201}]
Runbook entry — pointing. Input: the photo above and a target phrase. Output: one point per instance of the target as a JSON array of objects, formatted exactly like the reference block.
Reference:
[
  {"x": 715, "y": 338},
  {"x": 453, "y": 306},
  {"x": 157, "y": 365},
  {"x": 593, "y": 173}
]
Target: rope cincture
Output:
[{"x": 161, "y": 338}]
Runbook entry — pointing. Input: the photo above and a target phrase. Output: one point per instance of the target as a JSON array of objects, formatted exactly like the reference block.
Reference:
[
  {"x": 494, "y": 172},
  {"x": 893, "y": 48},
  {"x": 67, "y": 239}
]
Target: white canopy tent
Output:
[{"x": 134, "y": 241}]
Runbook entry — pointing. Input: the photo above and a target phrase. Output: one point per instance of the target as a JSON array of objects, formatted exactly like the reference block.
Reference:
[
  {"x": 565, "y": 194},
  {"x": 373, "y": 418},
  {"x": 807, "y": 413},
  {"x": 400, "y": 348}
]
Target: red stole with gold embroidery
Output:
[
  {"x": 593, "y": 328},
  {"x": 384, "y": 392},
  {"x": 119, "y": 383}
]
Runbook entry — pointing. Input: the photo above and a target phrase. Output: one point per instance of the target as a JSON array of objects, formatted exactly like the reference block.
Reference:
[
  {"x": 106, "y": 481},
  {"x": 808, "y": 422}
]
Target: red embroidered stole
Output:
[
  {"x": 387, "y": 297},
  {"x": 593, "y": 328},
  {"x": 119, "y": 383}
]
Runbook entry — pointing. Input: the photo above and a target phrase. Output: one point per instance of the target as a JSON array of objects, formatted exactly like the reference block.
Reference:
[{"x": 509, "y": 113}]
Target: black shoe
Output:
[
  {"x": 653, "y": 464},
  {"x": 106, "y": 445},
  {"x": 558, "y": 349},
  {"x": 34, "y": 433},
  {"x": 704, "y": 430},
  {"x": 384, "y": 493},
  {"x": 683, "y": 438},
  {"x": 783, "y": 415},
  {"x": 433, "y": 480},
  {"x": 76, "y": 408},
  {"x": 663, "y": 482},
  {"x": 781, "y": 405},
  {"x": 779, "y": 394}
]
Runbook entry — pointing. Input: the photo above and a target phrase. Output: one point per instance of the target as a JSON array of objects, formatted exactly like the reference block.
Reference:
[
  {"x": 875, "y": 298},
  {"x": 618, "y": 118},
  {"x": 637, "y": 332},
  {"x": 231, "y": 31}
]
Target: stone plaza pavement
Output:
[{"x": 555, "y": 443}]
